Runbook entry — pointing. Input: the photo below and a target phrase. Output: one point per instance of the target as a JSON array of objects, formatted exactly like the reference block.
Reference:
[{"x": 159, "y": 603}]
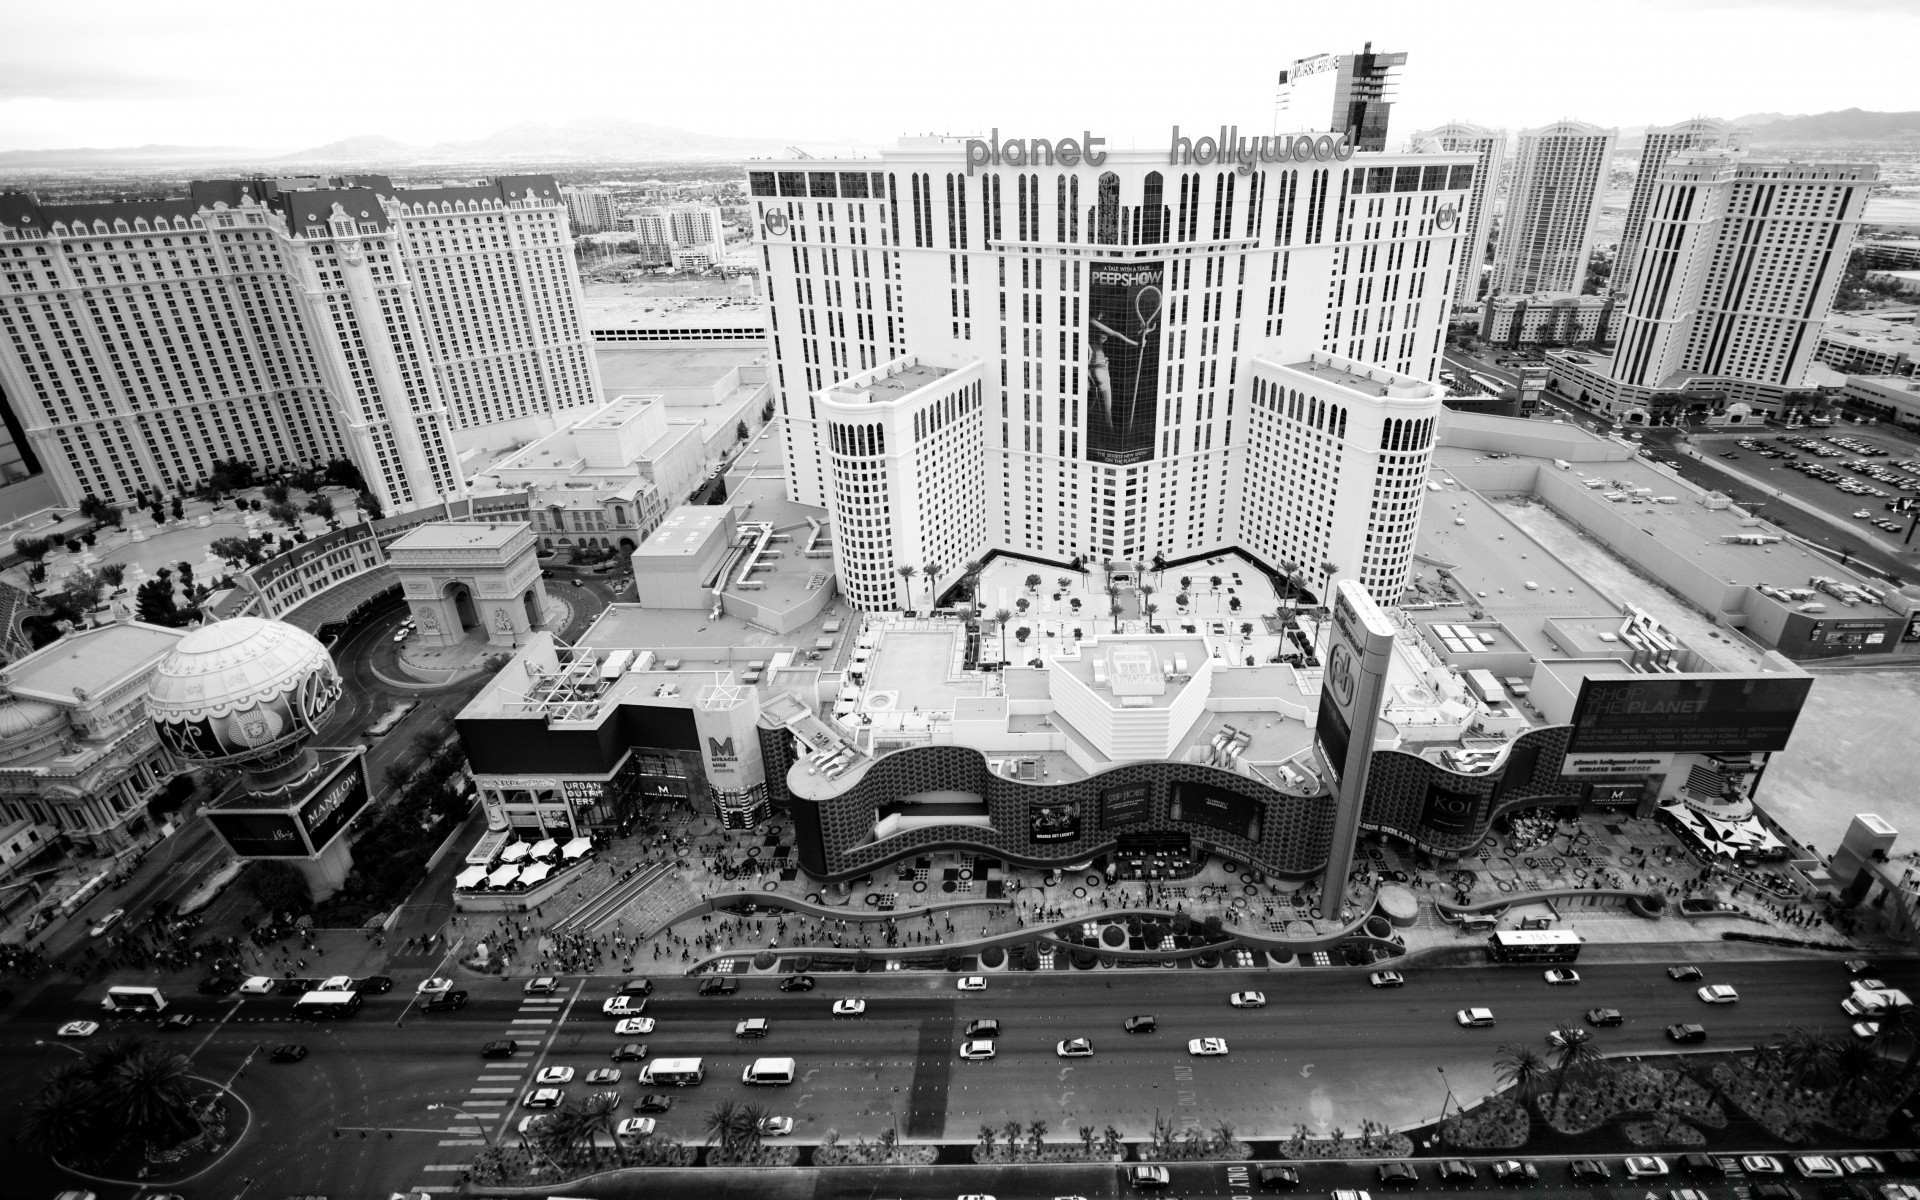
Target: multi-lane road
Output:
[{"x": 1326, "y": 1051}]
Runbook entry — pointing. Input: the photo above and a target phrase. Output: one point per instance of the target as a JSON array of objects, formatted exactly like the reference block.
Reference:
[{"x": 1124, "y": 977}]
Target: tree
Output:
[
  {"x": 33, "y": 549},
  {"x": 1002, "y": 616},
  {"x": 1575, "y": 1053},
  {"x": 1806, "y": 1058},
  {"x": 1233, "y": 603},
  {"x": 1087, "y": 1134},
  {"x": 150, "y": 1093},
  {"x": 60, "y": 1119},
  {"x": 1065, "y": 582},
  {"x": 1186, "y": 584},
  {"x": 285, "y": 514},
  {"x": 1023, "y": 604},
  {"x": 232, "y": 475},
  {"x": 369, "y": 504},
  {"x": 238, "y": 551},
  {"x": 94, "y": 508},
  {"x": 1036, "y": 1133},
  {"x": 321, "y": 505},
  {"x": 78, "y": 595},
  {"x": 722, "y": 1126},
  {"x": 1215, "y": 581},
  {"x": 930, "y": 571},
  {"x": 1033, "y": 582},
  {"x": 599, "y": 1114},
  {"x": 740, "y": 430},
  {"x": 113, "y": 573},
  {"x": 276, "y": 492},
  {"x": 1521, "y": 1068},
  {"x": 1110, "y": 1140},
  {"x": 277, "y": 886},
  {"x": 178, "y": 509},
  {"x": 751, "y": 1121},
  {"x": 907, "y": 571},
  {"x": 1022, "y": 634},
  {"x": 1012, "y": 1130},
  {"x": 1863, "y": 1074},
  {"x": 986, "y": 1140}
]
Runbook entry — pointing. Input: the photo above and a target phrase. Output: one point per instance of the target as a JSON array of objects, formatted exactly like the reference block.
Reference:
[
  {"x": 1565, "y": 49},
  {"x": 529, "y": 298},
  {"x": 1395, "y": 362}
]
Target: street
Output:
[{"x": 1327, "y": 1051}]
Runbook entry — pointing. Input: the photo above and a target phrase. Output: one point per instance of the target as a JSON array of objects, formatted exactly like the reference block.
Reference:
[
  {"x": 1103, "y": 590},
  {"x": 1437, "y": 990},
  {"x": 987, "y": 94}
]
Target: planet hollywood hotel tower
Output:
[{"x": 1053, "y": 348}]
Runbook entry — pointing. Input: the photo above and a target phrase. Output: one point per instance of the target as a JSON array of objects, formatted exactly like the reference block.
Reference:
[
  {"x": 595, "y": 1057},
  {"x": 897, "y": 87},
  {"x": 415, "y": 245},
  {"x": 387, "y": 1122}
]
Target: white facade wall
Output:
[
  {"x": 1546, "y": 233},
  {"x": 1701, "y": 133},
  {"x": 1489, "y": 149}
]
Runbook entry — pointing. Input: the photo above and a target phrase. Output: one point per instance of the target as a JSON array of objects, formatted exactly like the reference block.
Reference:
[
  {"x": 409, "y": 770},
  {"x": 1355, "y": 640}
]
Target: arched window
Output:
[
  {"x": 1152, "y": 213},
  {"x": 1106, "y": 229}
]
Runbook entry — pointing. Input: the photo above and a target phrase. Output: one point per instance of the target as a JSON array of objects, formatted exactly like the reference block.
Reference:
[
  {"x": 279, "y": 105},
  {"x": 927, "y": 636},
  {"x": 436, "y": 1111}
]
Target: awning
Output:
[
  {"x": 470, "y": 877},
  {"x": 577, "y": 847},
  {"x": 544, "y": 847},
  {"x": 535, "y": 873},
  {"x": 514, "y": 852},
  {"x": 504, "y": 876}
]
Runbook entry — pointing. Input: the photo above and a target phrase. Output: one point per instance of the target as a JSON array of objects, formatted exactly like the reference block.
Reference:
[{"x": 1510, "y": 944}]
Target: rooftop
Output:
[
  {"x": 685, "y": 531},
  {"x": 457, "y": 535},
  {"x": 1361, "y": 378},
  {"x": 657, "y": 369},
  {"x": 887, "y": 384},
  {"x": 90, "y": 661}
]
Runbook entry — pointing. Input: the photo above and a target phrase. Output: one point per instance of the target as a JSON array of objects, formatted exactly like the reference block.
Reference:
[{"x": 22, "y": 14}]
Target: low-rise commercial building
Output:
[
  {"x": 1905, "y": 281},
  {"x": 1549, "y": 318},
  {"x": 1888, "y": 397},
  {"x": 1864, "y": 345}
]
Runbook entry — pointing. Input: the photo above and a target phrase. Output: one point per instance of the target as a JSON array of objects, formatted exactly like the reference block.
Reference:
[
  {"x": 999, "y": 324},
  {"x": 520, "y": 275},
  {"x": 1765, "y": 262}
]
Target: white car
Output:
[
  {"x": 1719, "y": 993},
  {"x": 105, "y": 923},
  {"x": 79, "y": 1029},
  {"x": 1247, "y": 1000},
  {"x": 1817, "y": 1166},
  {"x": 258, "y": 985},
  {"x": 543, "y": 1098},
  {"x": 1559, "y": 976},
  {"x": 1074, "y": 1048},
  {"x": 541, "y": 985},
  {"x": 777, "y": 1126},
  {"x": 623, "y": 1006},
  {"x": 433, "y": 987},
  {"x": 529, "y": 1124},
  {"x": 974, "y": 1196},
  {"x": 1762, "y": 1164},
  {"x": 1382, "y": 979},
  {"x": 634, "y": 1127},
  {"x": 1645, "y": 1166},
  {"x": 1207, "y": 1047},
  {"x": 849, "y": 1008},
  {"x": 1474, "y": 1018},
  {"x": 633, "y": 1025},
  {"x": 1862, "y": 1164},
  {"x": 974, "y": 983},
  {"x": 336, "y": 983},
  {"x": 1862, "y": 514},
  {"x": 1866, "y": 1030},
  {"x": 554, "y": 1075},
  {"x": 975, "y": 1050}
]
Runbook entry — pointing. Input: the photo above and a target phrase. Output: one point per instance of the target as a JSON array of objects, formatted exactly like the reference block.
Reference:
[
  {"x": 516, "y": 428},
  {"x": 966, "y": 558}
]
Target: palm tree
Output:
[
  {"x": 1036, "y": 1131},
  {"x": 751, "y": 1118},
  {"x": 1863, "y": 1074},
  {"x": 1807, "y": 1058},
  {"x": 150, "y": 1092},
  {"x": 598, "y": 1115},
  {"x": 1575, "y": 1052},
  {"x": 931, "y": 573},
  {"x": 722, "y": 1125},
  {"x": 907, "y": 571},
  {"x": 1065, "y": 582},
  {"x": 1521, "y": 1068},
  {"x": 60, "y": 1119},
  {"x": 1110, "y": 1139},
  {"x": 1148, "y": 610},
  {"x": 1012, "y": 1130},
  {"x": 1003, "y": 615},
  {"x": 1087, "y": 1134},
  {"x": 986, "y": 1139},
  {"x": 1225, "y": 1131}
]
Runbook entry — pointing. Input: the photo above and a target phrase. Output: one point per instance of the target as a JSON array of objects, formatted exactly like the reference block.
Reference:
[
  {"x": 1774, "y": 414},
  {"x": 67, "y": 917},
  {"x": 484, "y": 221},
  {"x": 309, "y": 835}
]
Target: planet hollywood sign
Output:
[{"x": 1228, "y": 147}]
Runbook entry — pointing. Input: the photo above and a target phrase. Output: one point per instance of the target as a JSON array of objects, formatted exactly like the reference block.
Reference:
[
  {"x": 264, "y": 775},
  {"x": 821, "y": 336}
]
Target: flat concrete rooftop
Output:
[
  {"x": 456, "y": 535},
  {"x": 890, "y": 387},
  {"x": 685, "y": 531}
]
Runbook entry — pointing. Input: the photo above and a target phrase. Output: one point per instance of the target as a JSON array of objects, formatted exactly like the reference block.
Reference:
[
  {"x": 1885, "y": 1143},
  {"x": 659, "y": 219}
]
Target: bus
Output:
[
  {"x": 134, "y": 999},
  {"x": 1534, "y": 946},
  {"x": 680, "y": 1072},
  {"x": 315, "y": 1005}
]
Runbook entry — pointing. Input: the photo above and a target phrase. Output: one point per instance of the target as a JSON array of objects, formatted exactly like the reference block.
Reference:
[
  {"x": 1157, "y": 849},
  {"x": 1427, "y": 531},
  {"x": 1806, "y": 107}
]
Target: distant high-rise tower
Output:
[
  {"x": 1341, "y": 93},
  {"x": 1546, "y": 233},
  {"x": 1489, "y": 146},
  {"x": 1701, "y": 133},
  {"x": 589, "y": 209}
]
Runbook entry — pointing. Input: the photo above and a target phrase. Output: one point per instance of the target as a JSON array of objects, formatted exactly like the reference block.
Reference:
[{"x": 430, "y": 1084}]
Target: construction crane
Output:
[{"x": 797, "y": 152}]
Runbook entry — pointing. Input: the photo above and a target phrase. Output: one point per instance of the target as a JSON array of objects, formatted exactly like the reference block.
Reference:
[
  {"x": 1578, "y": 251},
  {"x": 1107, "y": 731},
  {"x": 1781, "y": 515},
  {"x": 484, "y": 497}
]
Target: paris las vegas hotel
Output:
[{"x": 1051, "y": 348}]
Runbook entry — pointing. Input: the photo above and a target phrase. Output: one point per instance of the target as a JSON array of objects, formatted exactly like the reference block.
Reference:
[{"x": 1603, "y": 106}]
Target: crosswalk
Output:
[{"x": 487, "y": 1104}]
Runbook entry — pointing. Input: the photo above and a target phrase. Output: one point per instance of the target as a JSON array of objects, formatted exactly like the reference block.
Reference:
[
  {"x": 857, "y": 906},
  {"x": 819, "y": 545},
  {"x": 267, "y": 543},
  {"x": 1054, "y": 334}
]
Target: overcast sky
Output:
[{"x": 119, "y": 73}]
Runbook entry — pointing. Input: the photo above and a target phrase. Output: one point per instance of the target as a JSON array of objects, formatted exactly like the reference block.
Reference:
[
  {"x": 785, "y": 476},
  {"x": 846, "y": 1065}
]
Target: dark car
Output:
[
  {"x": 445, "y": 1002},
  {"x": 297, "y": 987},
  {"x": 1703, "y": 1166},
  {"x": 986, "y": 1027},
  {"x": 292, "y": 1052},
  {"x": 653, "y": 1102},
  {"x": 1775, "y": 1191},
  {"x": 719, "y": 985},
  {"x": 1455, "y": 1170},
  {"x": 1846, "y": 1190},
  {"x": 1604, "y": 1016},
  {"x": 1281, "y": 1178},
  {"x": 637, "y": 987},
  {"x": 178, "y": 1021},
  {"x": 503, "y": 1048},
  {"x": 1141, "y": 1024},
  {"x": 797, "y": 983},
  {"x": 375, "y": 984},
  {"x": 1683, "y": 974},
  {"x": 218, "y": 985},
  {"x": 1687, "y": 1033},
  {"x": 631, "y": 1052},
  {"x": 1589, "y": 1170},
  {"x": 1398, "y": 1174},
  {"x": 1513, "y": 1170}
]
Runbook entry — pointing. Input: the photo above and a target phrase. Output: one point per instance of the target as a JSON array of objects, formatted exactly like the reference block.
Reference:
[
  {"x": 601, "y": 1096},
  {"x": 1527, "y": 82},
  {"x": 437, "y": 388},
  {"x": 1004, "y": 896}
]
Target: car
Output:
[
  {"x": 776, "y": 1126},
  {"x": 257, "y": 985},
  {"x": 752, "y": 1027},
  {"x": 530, "y": 1124},
  {"x": 636, "y": 987},
  {"x": 630, "y": 1052},
  {"x": 1718, "y": 993},
  {"x": 1775, "y": 1191},
  {"x": 297, "y": 987},
  {"x": 178, "y": 1021},
  {"x": 719, "y": 985},
  {"x": 1645, "y": 1166},
  {"x": 1589, "y": 1170},
  {"x": 1817, "y": 1166},
  {"x": 1512, "y": 1170},
  {"x": 622, "y": 1006},
  {"x": 1074, "y": 1048},
  {"x": 1687, "y": 1033},
  {"x": 1863, "y": 514},
  {"x": 1686, "y": 1194},
  {"x": 502, "y": 1048},
  {"x": 541, "y": 985},
  {"x": 1350, "y": 1194},
  {"x": 1279, "y": 1177},
  {"x": 287, "y": 1052},
  {"x": 986, "y": 1027},
  {"x": 653, "y": 1102},
  {"x": 336, "y": 983},
  {"x": 1140, "y": 1024},
  {"x": 1560, "y": 975},
  {"x": 1866, "y": 1030},
  {"x": 974, "y": 1196},
  {"x": 1605, "y": 1016},
  {"x": 976, "y": 1050},
  {"x": 849, "y": 1008},
  {"x": 554, "y": 1075},
  {"x": 1149, "y": 1176},
  {"x": 1474, "y": 1018},
  {"x": 634, "y": 1025},
  {"x": 1455, "y": 1170},
  {"x": 1857, "y": 966},
  {"x": 1728, "y": 454},
  {"x": 1398, "y": 1174},
  {"x": 1761, "y": 1164},
  {"x": 1247, "y": 1000},
  {"x": 78, "y": 1029},
  {"x": 105, "y": 923},
  {"x": 547, "y": 1097},
  {"x": 433, "y": 987},
  {"x": 577, "y": 583},
  {"x": 973, "y": 983},
  {"x": 1387, "y": 979},
  {"x": 446, "y": 1002},
  {"x": 1211, "y": 1047},
  {"x": 1861, "y": 1164},
  {"x": 218, "y": 985},
  {"x": 797, "y": 983},
  {"x": 378, "y": 985},
  {"x": 633, "y": 1127},
  {"x": 1683, "y": 974}
]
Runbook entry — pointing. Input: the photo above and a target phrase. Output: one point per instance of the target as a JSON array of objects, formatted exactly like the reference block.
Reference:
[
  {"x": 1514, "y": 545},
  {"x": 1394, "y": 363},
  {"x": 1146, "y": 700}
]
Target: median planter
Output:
[
  {"x": 1113, "y": 936},
  {"x": 992, "y": 958}
]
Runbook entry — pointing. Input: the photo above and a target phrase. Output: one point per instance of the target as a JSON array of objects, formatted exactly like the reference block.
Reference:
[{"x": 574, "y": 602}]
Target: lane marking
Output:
[{"x": 486, "y": 1091}]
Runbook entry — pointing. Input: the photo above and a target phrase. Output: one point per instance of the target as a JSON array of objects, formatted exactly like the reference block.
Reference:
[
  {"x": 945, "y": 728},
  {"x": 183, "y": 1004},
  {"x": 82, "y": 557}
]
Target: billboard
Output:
[
  {"x": 1689, "y": 713},
  {"x": 1616, "y": 795},
  {"x": 339, "y": 798},
  {"x": 260, "y": 835},
  {"x": 1449, "y": 811},
  {"x": 1125, "y": 303},
  {"x": 1229, "y": 812},
  {"x": 1053, "y": 823},
  {"x": 1123, "y": 806}
]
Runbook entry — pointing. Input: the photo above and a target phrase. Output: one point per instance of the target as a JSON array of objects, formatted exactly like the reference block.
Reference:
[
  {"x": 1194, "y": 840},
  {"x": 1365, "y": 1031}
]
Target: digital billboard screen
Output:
[
  {"x": 1229, "y": 812},
  {"x": 328, "y": 808},
  {"x": 1449, "y": 811},
  {"x": 1053, "y": 823},
  {"x": 1332, "y": 730},
  {"x": 260, "y": 835},
  {"x": 1124, "y": 806},
  {"x": 1125, "y": 306},
  {"x": 1725, "y": 714}
]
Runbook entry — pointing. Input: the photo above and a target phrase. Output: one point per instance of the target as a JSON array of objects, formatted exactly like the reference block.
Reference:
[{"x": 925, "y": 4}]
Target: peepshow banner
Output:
[{"x": 1125, "y": 303}]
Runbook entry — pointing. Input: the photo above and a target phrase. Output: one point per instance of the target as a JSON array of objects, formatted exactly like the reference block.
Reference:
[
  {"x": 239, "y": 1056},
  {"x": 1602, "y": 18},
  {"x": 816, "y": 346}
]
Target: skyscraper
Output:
[
  {"x": 589, "y": 209},
  {"x": 1341, "y": 93},
  {"x": 1489, "y": 148},
  {"x": 1546, "y": 232},
  {"x": 1701, "y": 133}
]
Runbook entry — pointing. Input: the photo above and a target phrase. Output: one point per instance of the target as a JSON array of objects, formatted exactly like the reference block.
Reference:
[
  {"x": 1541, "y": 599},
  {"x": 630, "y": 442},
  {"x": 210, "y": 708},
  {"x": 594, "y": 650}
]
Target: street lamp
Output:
[
  {"x": 462, "y": 1112},
  {"x": 61, "y": 1045}
]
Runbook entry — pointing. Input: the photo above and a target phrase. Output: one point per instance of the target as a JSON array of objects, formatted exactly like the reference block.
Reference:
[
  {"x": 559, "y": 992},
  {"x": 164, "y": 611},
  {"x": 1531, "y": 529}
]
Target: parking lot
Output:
[{"x": 1849, "y": 473}]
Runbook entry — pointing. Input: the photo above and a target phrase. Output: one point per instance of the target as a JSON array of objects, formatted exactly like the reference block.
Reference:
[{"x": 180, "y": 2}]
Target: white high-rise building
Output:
[
  {"x": 1546, "y": 231},
  {"x": 1489, "y": 148},
  {"x": 1701, "y": 133},
  {"x": 1150, "y": 354},
  {"x": 589, "y": 209},
  {"x": 151, "y": 339},
  {"x": 1737, "y": 267}
]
